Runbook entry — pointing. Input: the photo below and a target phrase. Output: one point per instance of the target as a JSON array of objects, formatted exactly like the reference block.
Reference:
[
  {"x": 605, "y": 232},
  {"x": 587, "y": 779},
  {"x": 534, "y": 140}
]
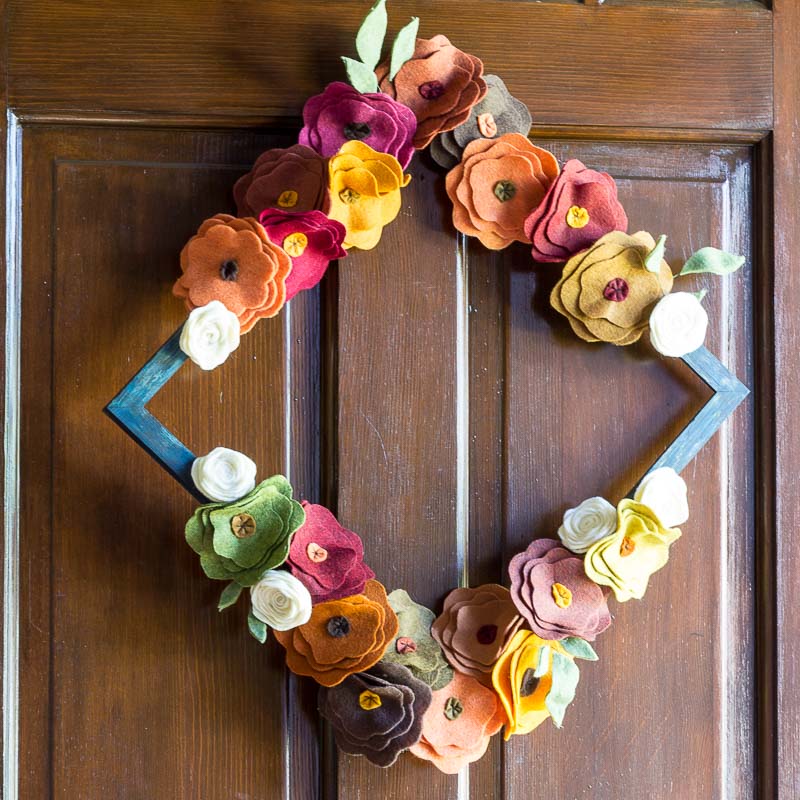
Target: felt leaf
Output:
[
  {"x": 230, "y": 594},
  {"x": 579, "y": 648},
  {"x": 565, "y": 676},
  {"x": 361, "y": 77},
  {"x": 403, "y": 46},
  {"x": 369, "y": 39},
  {"x": 709, "y": 259},
  {"x": 257, "y": 628},
  {"x": 653, "y": 259},
  {"x": 700, "y": 295},
  {"x": 543, "y": 664}
]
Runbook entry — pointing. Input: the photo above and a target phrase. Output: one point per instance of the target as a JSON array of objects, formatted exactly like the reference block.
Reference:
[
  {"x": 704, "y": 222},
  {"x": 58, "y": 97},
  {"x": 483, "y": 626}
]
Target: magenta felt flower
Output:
[
  {"x": 311, "y": 239},
  {"x": 341, "y": 114},
  {"x": 552, "y": 591},
  {"x": 580, "y": 207},
  {"x": 327, "y": 558}
]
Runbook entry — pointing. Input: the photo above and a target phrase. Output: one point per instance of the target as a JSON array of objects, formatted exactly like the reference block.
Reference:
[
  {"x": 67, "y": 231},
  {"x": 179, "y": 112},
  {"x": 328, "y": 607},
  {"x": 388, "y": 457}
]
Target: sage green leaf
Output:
[
  {"x": 257, "y": 628},
  {"x": 709, "y": 259},
  {"x": 230, "y": 594},
  {"x": 361, "y": 77},
  {"x": 565, "y": 677},
  {"x": 700, "y": 295},
  {"x": 403, "y": 47},
  {"x": 369, "y": 39},
  {"x": 579, "y": 648},
  {"x": 653, "y": 259},
  {"x": 543, "y": 664}
]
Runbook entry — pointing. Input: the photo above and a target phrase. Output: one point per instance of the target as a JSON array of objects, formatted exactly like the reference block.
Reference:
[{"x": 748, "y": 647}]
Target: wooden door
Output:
[{"x": 425, "y": 391}]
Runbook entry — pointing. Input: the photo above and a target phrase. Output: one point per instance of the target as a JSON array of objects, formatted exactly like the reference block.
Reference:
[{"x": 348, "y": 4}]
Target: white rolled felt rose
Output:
[
  {"x": 587, "y": 523},
  {"x": 678, "y": 324},
  {"x": 210, "y": 335},
  {"x": 664, "y": 492},
  {"x": 224, "y": 475},
  {"x": 280, "y": 600}
]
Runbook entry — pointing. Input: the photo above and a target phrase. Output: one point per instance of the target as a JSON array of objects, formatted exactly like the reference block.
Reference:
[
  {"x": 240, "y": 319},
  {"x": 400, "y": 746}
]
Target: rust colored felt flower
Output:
[
  {"x": 580, "y": 207},
  {"x": 457, "y": 726},
  {"x": 607, "y": 292},
  {"x": 342, "y": 637},
  {"x": 439, "y": 83},
  {"x": 292, "y": 178},
  {"x": 554, "y": 594},
  {"x": 233, "y": 260},
  {"x": 497, "y": 185},
  {"x": 474, "y": 628}
]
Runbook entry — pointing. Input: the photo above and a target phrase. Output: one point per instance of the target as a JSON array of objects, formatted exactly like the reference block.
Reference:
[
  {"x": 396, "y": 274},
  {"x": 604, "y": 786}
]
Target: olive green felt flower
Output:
[{"x": 240, "y": 541}]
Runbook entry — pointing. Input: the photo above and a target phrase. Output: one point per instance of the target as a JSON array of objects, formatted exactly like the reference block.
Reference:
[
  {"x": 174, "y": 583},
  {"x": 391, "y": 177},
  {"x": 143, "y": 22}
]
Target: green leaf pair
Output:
[{"x": 564, "y": 674}]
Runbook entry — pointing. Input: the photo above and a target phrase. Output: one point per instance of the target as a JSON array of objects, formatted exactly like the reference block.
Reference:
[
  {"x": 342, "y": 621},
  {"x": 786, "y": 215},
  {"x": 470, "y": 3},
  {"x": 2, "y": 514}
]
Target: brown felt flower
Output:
[
  {"x": 439, "y": 83},
  {"x": 497, "y": 185},
  {"x": 474, "y": 628},
  {"x": 233, "y": 260},
  {"x": 342, "y": 637},
  {"x": 607, "y": 292}
]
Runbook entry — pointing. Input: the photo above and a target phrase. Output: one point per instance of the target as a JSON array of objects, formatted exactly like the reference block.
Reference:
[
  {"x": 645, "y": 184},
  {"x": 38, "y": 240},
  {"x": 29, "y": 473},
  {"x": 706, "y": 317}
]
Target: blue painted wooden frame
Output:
[{"x": 129, "y": 410}]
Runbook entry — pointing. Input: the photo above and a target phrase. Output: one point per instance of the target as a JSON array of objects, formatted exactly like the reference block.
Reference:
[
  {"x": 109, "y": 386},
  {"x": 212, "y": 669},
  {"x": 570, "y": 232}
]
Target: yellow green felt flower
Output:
[{"x": 627, "y": 558}]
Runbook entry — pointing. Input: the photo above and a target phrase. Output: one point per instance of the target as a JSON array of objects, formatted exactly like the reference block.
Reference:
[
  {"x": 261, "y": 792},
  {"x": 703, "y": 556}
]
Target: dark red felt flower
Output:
[{"x": 579, "y": 207}]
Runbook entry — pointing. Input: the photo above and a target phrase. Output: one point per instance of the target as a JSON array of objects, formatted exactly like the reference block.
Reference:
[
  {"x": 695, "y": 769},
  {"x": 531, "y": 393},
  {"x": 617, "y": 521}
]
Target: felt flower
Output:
[
  {"x": 678, "y": 324},
  {"x": 327, "y": 558},
  {"x": 224, "y": 475},
  {"x": 496, "y": 185},
  {"x": 240, "y": 541},
  {"x": 458, "y": 724},
  {"x": 536, "y": 679},
  {"x": 280, "y": 600},
  {"x": 580, "y": 207},
  {"x": 590, "y": 521},
  {"x": 551, "y": 590},
  {"x": 638, "y": 548},
  {"x": 439, "y": 83},
  {"x": 497, "y": 114},
  {"x": 414, "y": 647},
  {"x": 606, "y": 292},
  {"x": 342, "y": 637},
  {"x": 292, "y": 178},
  {"x": 474, "y": 627},
  {"x": 365, "y": 192},
  {"x": 311, "y": 240},
  {"x": 378, "y": 713},
  {"x": 664, "y": 492},
  {"x": 341, "y": 114},
  {"x": 232, "y": 260},
  {"x": 210, "y": 334}
]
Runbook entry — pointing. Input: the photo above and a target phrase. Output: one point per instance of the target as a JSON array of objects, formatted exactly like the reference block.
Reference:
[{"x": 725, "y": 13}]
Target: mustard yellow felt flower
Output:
[
  {"x": 627, "y": 558},
  {"x": 365, "y": 192}
]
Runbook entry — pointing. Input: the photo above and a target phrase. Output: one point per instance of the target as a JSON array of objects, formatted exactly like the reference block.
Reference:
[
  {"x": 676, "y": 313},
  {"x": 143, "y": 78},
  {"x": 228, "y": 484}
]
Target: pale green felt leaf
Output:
[
  {"x": 579, "y": 648},
  {"x": 700, "y": 295},
  {"x": 543, "y": 664},
  {"x": 653, "y": 259},
  {"x": 709, "y": 259},
  {"x": 257, "y": 628},
  {"x": 361, "y": 77},
  {"x": 562, "y": 692},
  {"x": 369, "y": 39},
  {"x": 403, "y": 48},
  {"x": 230, "y": 594}
]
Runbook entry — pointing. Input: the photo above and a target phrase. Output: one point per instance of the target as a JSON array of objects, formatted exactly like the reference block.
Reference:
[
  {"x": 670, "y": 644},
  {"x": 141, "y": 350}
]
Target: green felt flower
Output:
[{"x": 240, "y": 541}]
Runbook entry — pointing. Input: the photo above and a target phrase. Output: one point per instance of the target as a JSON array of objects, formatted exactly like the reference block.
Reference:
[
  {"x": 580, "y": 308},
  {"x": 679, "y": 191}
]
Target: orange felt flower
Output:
[
  {"x": 497, "y": 185},
  {"x": 342, "y": 637},
  {"x": 233, "y": 260}
]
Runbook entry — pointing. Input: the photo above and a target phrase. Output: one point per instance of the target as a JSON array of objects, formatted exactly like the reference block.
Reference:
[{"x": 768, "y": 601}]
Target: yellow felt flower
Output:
[
  {"x": 365, "y": 192},
  {"x": 627, "y": 558}
]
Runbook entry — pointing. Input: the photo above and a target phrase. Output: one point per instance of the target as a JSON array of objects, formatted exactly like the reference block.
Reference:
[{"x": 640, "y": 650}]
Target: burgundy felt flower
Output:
[
  {"x": 327, "y": 558},
  {"x": 552, "y": 591},
  {"x": 341, "y": 113},
  {"x": 311, "y": 239},
  {"x": 580, "y": 207},
  {"x": 292, "y": 178}
]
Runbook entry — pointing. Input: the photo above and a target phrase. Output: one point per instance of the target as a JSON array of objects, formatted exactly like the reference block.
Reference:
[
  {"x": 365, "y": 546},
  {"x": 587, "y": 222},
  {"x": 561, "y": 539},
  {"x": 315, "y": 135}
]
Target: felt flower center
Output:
[
  {"x": 229, "y": 270},
  {"x": 487, "y": 126},
  {"x": 504, "y": 190},
  {"x": 577, "y": 217},
  {"x": 406, "y": 645},
  {"x": 369, "y": 700},
  {"x": 356, "y": 130},
  {"x": 288, "y": 199},
  {"x": 295, "y": 244},
  {"x": 561, "y": 595},
  {"x": 431, "y": 90},
  {"x": 627, "y": 546},
  {"x": 243, "y": 526},
  {"x": 616, "y": 290},
  {"x": 338, "y": 627},
  {"x": 349, "y": 196},
  {"x": 453, "y": 708},
  {"x": 486, "y": 634},
  {"x": 316, "y": 553},
  {"x": 529, "y": 683}
]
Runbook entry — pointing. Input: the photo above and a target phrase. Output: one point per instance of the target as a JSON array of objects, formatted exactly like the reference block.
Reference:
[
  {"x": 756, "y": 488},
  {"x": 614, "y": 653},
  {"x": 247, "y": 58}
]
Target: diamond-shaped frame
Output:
[{"x": 129, "y": 410}]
